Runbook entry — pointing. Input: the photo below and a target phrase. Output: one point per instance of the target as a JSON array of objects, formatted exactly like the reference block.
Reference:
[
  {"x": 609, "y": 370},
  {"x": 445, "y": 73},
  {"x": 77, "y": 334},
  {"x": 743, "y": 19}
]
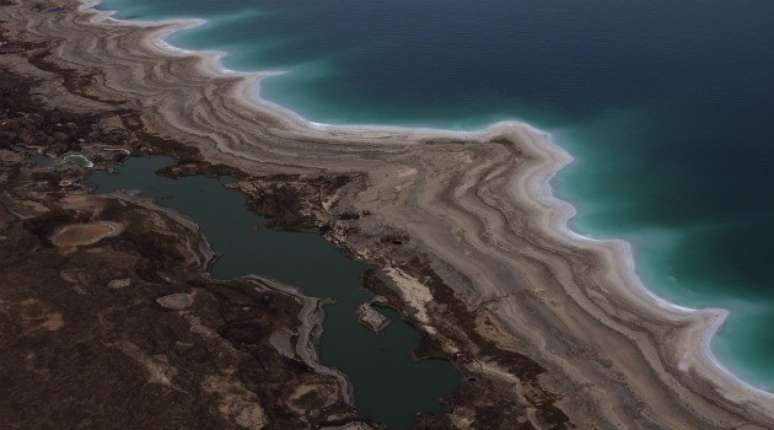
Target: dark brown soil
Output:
[{"x": 87, "y": 345}]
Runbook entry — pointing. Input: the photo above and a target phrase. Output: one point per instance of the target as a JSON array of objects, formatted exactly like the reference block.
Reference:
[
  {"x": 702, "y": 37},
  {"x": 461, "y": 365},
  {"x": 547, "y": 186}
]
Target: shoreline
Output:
[
  {"x": 562, "y": 210},
  {"x": 622, "y": 252},
  {"x": 530, "y": 187}
]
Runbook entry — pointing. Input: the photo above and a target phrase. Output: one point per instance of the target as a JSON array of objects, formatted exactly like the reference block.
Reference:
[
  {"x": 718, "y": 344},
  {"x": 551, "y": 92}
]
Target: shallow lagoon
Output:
[{"x": 379, "y": 366}]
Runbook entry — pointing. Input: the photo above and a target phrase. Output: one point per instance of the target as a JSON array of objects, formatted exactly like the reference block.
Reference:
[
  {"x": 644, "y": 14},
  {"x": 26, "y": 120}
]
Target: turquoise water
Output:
[
  {"x": 380, "y": 367},
  {"x": 666, "y": 106}
]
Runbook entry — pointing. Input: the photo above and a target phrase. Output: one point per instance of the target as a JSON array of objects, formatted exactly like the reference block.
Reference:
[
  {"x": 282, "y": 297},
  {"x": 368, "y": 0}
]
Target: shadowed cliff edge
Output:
[{"x": 551, "y": 330}]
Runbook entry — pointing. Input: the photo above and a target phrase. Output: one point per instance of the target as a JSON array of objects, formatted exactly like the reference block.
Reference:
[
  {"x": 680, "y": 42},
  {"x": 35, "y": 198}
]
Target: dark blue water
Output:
[{"x": 666, "y": 105}]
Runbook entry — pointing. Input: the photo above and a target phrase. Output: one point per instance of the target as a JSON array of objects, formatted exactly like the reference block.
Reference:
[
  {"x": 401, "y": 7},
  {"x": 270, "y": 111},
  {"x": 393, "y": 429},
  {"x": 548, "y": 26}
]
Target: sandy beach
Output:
[{"x": 501, "y": 276}]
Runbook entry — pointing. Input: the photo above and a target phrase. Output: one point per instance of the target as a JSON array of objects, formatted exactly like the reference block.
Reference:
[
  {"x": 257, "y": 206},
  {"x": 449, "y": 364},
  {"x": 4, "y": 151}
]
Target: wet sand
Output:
[{"x": 476, "y": 206}]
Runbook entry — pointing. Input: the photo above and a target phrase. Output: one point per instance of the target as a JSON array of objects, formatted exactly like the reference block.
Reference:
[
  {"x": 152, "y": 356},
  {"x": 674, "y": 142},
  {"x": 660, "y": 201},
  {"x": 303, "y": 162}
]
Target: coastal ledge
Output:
[{"x": 474, "y": 249}]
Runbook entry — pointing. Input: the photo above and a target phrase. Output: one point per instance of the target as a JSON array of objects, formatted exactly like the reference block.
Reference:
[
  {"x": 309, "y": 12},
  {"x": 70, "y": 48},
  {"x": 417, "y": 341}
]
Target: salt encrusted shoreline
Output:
[
  {"x": 538, "y": 189},
  {"x": 588, "y": 278}
]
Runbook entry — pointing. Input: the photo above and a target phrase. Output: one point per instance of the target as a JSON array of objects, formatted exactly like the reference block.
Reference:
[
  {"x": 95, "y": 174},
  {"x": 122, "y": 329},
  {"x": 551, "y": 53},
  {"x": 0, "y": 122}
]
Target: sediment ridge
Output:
[{"x": 472, "y": 247}]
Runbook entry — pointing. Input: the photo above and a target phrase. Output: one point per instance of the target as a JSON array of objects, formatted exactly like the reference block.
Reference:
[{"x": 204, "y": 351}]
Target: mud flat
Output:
[
  {"x": 550, "y": 330},
  {"x": 85, "y": 234}
]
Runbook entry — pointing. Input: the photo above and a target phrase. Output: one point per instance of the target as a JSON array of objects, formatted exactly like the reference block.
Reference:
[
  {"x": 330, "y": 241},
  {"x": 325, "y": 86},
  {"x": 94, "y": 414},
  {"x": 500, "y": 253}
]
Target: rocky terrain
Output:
[{"x": 108, "y": 318}]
